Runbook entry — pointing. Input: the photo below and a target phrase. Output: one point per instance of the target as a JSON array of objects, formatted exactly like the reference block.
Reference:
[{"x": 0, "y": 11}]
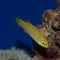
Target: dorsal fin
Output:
[{"x": 28, "y": 21}]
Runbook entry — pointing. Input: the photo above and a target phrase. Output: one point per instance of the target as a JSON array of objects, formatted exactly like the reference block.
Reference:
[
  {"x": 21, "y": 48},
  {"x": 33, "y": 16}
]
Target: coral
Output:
[
  {"x": 51, "y": 30},
  {"x": 14, "y": 54},
  {"x": 58, "y": 3}
]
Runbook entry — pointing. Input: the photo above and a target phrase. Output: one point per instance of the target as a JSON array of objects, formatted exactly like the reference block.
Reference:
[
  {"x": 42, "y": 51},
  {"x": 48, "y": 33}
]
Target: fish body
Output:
[{"x": 33, "y": 32}]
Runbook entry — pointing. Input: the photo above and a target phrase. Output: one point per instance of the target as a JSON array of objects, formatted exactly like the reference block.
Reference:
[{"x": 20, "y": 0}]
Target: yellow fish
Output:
[{"x": 33, "y": 32}]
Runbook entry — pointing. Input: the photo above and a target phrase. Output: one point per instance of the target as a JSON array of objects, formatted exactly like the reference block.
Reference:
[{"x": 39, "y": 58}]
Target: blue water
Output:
[{"x": 31, "y": 10}]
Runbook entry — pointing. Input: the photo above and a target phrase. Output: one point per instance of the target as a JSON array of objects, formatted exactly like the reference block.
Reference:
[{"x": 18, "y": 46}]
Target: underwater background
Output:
[{"x": 32, "y": 10}]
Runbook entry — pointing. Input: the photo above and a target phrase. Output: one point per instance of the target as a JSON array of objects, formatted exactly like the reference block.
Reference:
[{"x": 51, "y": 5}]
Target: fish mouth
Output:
[
  {"x": 47, "y": 47},
  {"x": 44, "y": 46}
]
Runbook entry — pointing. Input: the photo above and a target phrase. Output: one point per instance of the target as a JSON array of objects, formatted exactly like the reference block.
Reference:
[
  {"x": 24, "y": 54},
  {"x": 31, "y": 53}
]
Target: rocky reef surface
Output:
[{"x": 51, "y": 30}]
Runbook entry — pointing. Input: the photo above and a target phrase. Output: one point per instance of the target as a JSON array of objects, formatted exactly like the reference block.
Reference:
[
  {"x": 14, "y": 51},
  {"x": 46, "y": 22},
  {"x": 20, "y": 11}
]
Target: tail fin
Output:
[{"x": 19, "y": 21}]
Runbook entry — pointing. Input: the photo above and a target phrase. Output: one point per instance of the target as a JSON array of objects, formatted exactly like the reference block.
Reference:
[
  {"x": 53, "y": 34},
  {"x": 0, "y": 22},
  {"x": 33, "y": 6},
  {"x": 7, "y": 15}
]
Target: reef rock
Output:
[{"x": 50, "y": 28}]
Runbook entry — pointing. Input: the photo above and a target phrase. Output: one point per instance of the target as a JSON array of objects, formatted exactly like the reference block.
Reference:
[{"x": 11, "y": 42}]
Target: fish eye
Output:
[{"x": 43, "y": 42}]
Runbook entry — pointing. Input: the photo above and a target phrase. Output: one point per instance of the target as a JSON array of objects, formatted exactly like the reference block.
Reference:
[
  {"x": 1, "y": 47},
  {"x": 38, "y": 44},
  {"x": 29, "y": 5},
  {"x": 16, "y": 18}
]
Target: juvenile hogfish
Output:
[{"x": 33, "y": 32}]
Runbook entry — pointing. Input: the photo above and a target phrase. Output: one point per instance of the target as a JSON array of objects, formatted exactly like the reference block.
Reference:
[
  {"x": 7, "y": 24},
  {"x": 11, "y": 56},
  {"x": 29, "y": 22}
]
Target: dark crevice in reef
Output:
[
  {"x": 40, "y": 49},
  {"x": 55, "y": 29},
  {"x": 57, "y": 44}
]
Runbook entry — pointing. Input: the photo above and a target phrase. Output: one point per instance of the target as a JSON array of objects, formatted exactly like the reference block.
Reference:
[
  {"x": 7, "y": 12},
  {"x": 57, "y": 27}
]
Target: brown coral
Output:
[
  {"x": 58, "y": 3},
  {"x": 51, "y": 30},
  {"x": 57, "y": 38}
]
